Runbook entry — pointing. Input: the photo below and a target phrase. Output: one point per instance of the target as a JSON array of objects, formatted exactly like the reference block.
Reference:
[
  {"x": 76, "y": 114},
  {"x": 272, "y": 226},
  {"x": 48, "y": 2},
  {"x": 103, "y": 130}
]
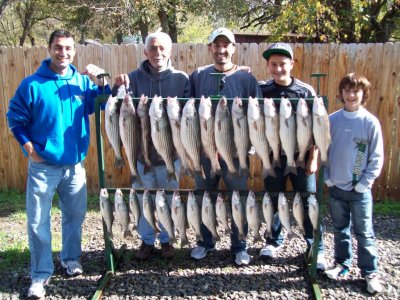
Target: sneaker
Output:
[
  {"x": 199, "y": 252},
  {"x": 321, "y": 262},
  {"x": 144, "y": 251},
  {"x": 373, "y": 283},
  {"x": 37, "y": 290},
  {"x": 167, "y": 250},
  {"x": 336, "y": 271},
  {"x": 73, "y": 267},
  {"x": 242, "y": 258},
  {"x": 269, "y": 250}
]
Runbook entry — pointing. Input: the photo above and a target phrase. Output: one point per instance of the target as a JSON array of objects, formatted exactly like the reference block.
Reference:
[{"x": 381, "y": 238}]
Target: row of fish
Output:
[
  {"x": 227, "y": 133},
  {"x": 182, "y": 214}
]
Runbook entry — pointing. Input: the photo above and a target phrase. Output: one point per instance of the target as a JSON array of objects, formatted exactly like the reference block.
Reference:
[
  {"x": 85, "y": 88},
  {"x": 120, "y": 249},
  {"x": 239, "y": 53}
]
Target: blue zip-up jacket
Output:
[{"x": 52, "y": 111}]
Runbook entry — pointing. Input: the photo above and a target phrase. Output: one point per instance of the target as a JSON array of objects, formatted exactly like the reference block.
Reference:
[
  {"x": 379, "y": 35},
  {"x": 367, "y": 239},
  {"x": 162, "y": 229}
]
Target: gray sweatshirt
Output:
[{"x": 356, "y": 152}]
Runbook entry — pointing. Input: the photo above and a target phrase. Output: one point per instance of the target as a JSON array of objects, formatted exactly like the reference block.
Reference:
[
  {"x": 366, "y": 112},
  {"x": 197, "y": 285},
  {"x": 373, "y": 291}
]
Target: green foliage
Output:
[{"x": 387, "y": 207}]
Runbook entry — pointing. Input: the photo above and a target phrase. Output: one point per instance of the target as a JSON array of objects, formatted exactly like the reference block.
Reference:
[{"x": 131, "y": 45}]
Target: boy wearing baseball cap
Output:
[{"x": 279, "y": 57}]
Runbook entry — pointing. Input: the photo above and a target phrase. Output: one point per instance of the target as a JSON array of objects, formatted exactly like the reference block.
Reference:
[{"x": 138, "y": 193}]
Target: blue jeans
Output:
[
  {"x": 300, "y": 183},
  {"x": 352, "y": 208},
  {"x": 154, "y": 179},
  {"x": 211, "y": 184},
  {"x": 43, "y": 181}
]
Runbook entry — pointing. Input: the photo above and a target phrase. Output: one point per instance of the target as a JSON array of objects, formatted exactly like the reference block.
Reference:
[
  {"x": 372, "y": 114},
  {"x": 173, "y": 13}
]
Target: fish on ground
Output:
[
  {"x": 223, "y": 128},
  {"x": 161, "y": 135},
  {"x": 221, "y": 212},
  {"x": 253, "y": 216},
  {"x": 190, "y": 134},
  {"x": 194, "y": 215},
  {"x": 164, "y": 215},
  {"x": 238, "y": 214},
  {"x": 134, "y": 207},
  {"x": 287, "y": 134},
  {"x": 284, "y": 216},
  {"x": 178, "y": 215},
  {"x": 271, "y": 116},
  {"x": 174, "y": 115},
  {"x": 122, "y": 212},
  {"x": 106, "y": 212},
  {"x": 208, "y": 215},
  {"x": 241, "y": 134},
  {"x": 129, "y": 131},
  {"x": 268, "y": 213},
  {"x": 321, "y": 129},
  {"x": 298, "y": 212},
  {"x": 111, "y": 114},
  {"x": 206, "y": 118},
  {"x": 145, "y": 137},
  {"x": 258, "y": 139}
]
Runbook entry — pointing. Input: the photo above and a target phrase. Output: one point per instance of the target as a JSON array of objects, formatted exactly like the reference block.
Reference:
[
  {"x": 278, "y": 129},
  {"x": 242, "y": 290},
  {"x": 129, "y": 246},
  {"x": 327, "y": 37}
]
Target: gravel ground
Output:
[{"x": 216, "y": 277}]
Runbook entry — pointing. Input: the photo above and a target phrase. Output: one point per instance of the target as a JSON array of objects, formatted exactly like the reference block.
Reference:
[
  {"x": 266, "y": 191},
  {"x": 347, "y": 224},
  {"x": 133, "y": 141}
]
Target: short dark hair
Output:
[
  {"x": 59, "y": 33},
  {"x": 359, "y": 82}
]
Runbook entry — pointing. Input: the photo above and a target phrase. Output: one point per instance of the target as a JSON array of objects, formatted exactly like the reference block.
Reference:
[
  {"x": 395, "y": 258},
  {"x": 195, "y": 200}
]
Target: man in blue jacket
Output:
[{"x": 49, "y": 117}]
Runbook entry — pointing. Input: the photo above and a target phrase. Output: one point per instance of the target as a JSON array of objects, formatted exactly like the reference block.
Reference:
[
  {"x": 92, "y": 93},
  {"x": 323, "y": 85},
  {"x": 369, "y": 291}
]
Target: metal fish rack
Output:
[{"x": 114, "y": 255}]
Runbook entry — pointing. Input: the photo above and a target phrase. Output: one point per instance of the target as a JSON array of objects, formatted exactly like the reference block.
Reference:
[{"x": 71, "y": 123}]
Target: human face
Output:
[
  {"x": 352, "y": 98},
  {"x": 222, "y": 51},
  {"x": 158, "y": 54},
  {"x": 279, "y": 67},
  {"x": 61, "y": 52}
]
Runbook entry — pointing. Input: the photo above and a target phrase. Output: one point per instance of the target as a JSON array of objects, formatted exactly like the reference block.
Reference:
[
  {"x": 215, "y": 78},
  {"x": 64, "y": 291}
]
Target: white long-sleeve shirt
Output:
[{"x": 356, "y": 153}]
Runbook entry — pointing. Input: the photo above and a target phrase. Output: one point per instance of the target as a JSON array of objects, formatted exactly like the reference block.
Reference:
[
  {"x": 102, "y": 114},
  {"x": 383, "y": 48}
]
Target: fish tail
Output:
[
  {"x": 110, "y": 235},
  {"x": 244, "y": 171},
  {"x": 148, "y": 167},
  {"x": 119, "y": 162},
  {"x": 216, "y": 237},
  {"x": 291, "y": 235},
  {"x": 184, "y": 242},
  {"x": 199, "y": 237},
  {"x": 135, "y": 178},
  {"x": 242, "y": 236},
  {"x": 276, "y": 162},
  {"x": 228, "y": 231},
  {"x": 268, "y": 172},
  {"x": 171, "y": 176},
  {"x": 300, "y": 163},
  {"x": 290, "y": 169},
  {"x": 257, "y": 238}
]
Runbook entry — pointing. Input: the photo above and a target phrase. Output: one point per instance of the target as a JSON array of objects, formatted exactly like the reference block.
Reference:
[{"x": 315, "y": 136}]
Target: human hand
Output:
[
  {"x": 329, "y": 183},
  {"x": 244, "y": 69},
  {"x": 359, "y": 188},
  {"x": 32, "y": 152},
  {"x": 92, "y": 71},
  {"x": 122, "y": 79}
]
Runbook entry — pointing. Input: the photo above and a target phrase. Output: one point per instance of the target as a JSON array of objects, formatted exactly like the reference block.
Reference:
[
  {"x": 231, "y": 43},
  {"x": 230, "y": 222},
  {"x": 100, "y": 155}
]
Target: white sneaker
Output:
[
  {"x": 373, "y": 283},
  {"x": 242, "y": 258},
  {"x": 321, "y": 262},
  {"x": 269, "y": 250},
  {"x": 336, "y": 271},
  {"x": 36, "y": 289},
  {"x": 73, "y": 267},
  {"x": 199, "y": 252}
]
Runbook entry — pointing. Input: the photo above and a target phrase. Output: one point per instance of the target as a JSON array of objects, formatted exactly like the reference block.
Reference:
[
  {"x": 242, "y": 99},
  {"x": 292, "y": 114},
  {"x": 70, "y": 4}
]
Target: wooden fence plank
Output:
[{"x": 4, "y": 142}]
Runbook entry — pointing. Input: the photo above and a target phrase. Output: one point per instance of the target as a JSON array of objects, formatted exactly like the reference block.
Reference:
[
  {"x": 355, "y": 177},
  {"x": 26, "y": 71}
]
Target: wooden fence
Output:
[{"x": 380, "y": 63}]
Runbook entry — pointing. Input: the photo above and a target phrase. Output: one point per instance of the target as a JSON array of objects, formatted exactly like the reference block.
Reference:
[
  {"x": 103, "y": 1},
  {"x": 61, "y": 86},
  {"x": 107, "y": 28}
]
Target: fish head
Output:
[
  {"x": 267, "y": 199},
  {"x": 237, "y": 108},
  {"x": 205, "y": 108},
  {"x": 312, "y": 200},
  {"x": 285, "y": 108},
  {"x": 235, "y": 197},
  {"x": 220, "y": 199},
  {"x": 269, "y": 108},
  {"x": 156, "y": 108},
  {"x": 318, "y": 107},
  {"x": 111, "y": 105},
  {"x": 302, "y": 108},
  {"x": 143, "y": 106},
  {"x": 127, "y": 107},
  {"x": 251, "y": 198},
  {"x": 118, "y": 196},
  {"x": 103, "y": 194},
  {"x": 173, "y": 108},
  {"x": 176, "y": 199},
  {"x": 282, "y": 199},
  {"x": 253, "y": 110},
  {"x": 160, "y": 198},
  {"x": 189, "y": 110}
]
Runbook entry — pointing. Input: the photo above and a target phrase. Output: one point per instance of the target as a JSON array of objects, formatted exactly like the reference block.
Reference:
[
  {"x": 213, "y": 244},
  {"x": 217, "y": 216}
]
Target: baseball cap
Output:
[
  {"x": 278, "y": 48},
  {"x": 222, "y": 31}
]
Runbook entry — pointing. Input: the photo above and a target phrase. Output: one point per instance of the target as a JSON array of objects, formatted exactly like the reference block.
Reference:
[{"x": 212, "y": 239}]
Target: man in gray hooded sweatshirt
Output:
[{"x": 155, "y": 76}]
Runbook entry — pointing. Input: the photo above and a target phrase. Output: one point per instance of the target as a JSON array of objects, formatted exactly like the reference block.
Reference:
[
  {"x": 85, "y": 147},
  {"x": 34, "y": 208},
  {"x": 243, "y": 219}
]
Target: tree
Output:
[{"x": 326, "y": 21}]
